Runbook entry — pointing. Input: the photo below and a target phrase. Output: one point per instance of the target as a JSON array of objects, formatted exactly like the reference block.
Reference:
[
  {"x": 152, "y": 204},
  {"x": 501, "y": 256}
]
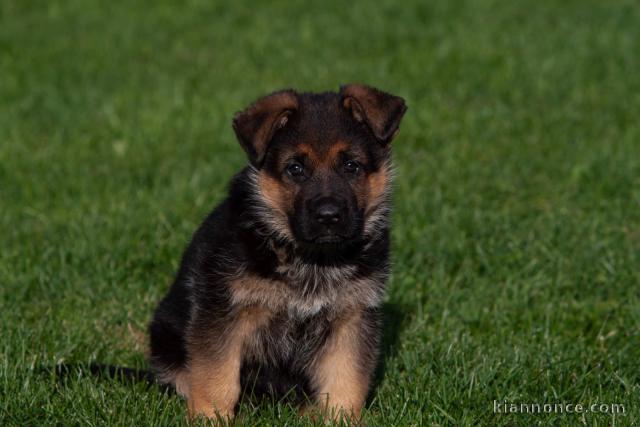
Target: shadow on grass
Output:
[
  {"x": 124, "y": 375},
  {"x": 395, "y": 319}
]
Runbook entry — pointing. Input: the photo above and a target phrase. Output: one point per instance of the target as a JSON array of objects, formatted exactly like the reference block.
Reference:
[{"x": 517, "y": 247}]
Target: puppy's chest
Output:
[
  {"x": 275, "y": 296},
  {"x": 288, "y": 341},
  {"x": 300, "y": 304},
  {"x": 304, "y": 290}
]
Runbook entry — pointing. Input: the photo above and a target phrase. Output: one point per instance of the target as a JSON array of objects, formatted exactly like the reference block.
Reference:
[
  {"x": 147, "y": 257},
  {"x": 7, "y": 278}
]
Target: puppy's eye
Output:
[
  {"x": 295, "y": 169},
  {"x": 351, "y": 166}
]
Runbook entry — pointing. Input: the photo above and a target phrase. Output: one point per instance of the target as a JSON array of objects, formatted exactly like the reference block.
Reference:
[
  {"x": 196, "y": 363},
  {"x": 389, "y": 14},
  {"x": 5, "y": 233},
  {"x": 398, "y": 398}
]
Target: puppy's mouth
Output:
[
  {"x": 328, "y": 249},
  {"x": 329, "y": 239}
]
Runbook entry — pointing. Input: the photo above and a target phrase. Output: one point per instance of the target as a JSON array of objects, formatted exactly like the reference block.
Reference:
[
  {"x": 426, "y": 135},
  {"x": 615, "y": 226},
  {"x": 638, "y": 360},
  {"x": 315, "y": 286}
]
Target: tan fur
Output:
[
  {"x": 181, "y": 382},
  {"x": 274, "y": 193},
  {"x": 214, "y": 388},
  {"x": 377, "y": 187},
  {"x": 279, "y": 200},
  {"x": 250, "y": 290},
  {"x": 333, "y": 153},
  {"x": 342, "y": 387},
  {"x": 214, "y": 380},
  {"x": 322, "y": 159},
  {"x": 309, "y": 151},
  {"x": 371, "y": 190}
]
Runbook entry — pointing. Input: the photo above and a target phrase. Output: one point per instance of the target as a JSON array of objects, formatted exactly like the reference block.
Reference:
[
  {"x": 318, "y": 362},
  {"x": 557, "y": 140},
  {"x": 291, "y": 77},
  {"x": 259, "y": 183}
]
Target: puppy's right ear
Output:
[{"x": 256, "y": 125}]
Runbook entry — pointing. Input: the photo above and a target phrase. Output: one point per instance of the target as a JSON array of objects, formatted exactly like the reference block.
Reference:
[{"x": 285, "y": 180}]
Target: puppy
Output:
[{"x": 280, "y": 289}]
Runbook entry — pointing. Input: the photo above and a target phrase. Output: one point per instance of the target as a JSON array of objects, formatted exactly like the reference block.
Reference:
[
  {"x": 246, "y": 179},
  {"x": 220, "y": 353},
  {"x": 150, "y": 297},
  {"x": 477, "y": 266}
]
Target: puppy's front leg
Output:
[
  {"x": 214, "y": 365},
  {"x": 342, "y": 372},
  {"x": 214, "y": 384}
]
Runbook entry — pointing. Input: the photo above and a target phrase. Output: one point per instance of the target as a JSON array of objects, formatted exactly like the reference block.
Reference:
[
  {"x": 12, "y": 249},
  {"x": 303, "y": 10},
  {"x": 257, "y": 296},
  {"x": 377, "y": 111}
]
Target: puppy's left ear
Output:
[
  {"x": 256, "y": 126},
  {"x": 380, "y": 111}
]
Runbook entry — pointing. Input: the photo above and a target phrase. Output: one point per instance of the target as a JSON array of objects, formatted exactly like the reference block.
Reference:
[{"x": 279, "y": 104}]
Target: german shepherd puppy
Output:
[{"x": 280, "y": 289}]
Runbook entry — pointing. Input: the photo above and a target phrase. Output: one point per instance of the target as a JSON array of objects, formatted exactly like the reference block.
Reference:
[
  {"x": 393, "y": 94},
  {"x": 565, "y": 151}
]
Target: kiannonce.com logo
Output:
[{"x": 505, "y": 407}]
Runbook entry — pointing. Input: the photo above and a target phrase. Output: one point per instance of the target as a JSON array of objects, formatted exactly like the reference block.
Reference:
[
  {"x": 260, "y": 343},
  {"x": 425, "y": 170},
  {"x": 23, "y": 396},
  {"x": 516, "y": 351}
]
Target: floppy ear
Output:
[
  {"x": 381, "y": 111},
  {"x": 256, "y": 125}
]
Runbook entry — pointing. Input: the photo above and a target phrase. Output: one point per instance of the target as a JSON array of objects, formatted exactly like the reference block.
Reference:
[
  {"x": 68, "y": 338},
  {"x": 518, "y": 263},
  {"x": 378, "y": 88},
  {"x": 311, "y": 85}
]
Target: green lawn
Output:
[{"x": 517, "y": 206}]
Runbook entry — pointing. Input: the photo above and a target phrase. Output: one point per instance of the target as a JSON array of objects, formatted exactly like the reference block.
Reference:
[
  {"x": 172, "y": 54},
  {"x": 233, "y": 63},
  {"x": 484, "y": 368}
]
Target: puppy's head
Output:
[{"x": 321, "y": 162}]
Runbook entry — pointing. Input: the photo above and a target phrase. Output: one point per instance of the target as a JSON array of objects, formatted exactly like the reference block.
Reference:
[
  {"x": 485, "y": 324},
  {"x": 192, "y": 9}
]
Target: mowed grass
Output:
[{"x": 517, "y": 206}]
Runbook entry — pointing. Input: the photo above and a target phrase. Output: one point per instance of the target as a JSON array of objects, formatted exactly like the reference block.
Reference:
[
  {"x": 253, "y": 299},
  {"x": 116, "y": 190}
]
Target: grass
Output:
[{"x": 517, "y": 206}]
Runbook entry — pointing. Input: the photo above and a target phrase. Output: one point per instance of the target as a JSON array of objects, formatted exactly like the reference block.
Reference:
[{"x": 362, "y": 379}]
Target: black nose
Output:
[{"x": 328, "y": 213}]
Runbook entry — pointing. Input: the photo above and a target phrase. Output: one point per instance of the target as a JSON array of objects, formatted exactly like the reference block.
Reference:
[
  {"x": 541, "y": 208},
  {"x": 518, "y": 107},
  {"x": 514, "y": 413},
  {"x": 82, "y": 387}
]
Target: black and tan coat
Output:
[{"x": 281, "y": 286}]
